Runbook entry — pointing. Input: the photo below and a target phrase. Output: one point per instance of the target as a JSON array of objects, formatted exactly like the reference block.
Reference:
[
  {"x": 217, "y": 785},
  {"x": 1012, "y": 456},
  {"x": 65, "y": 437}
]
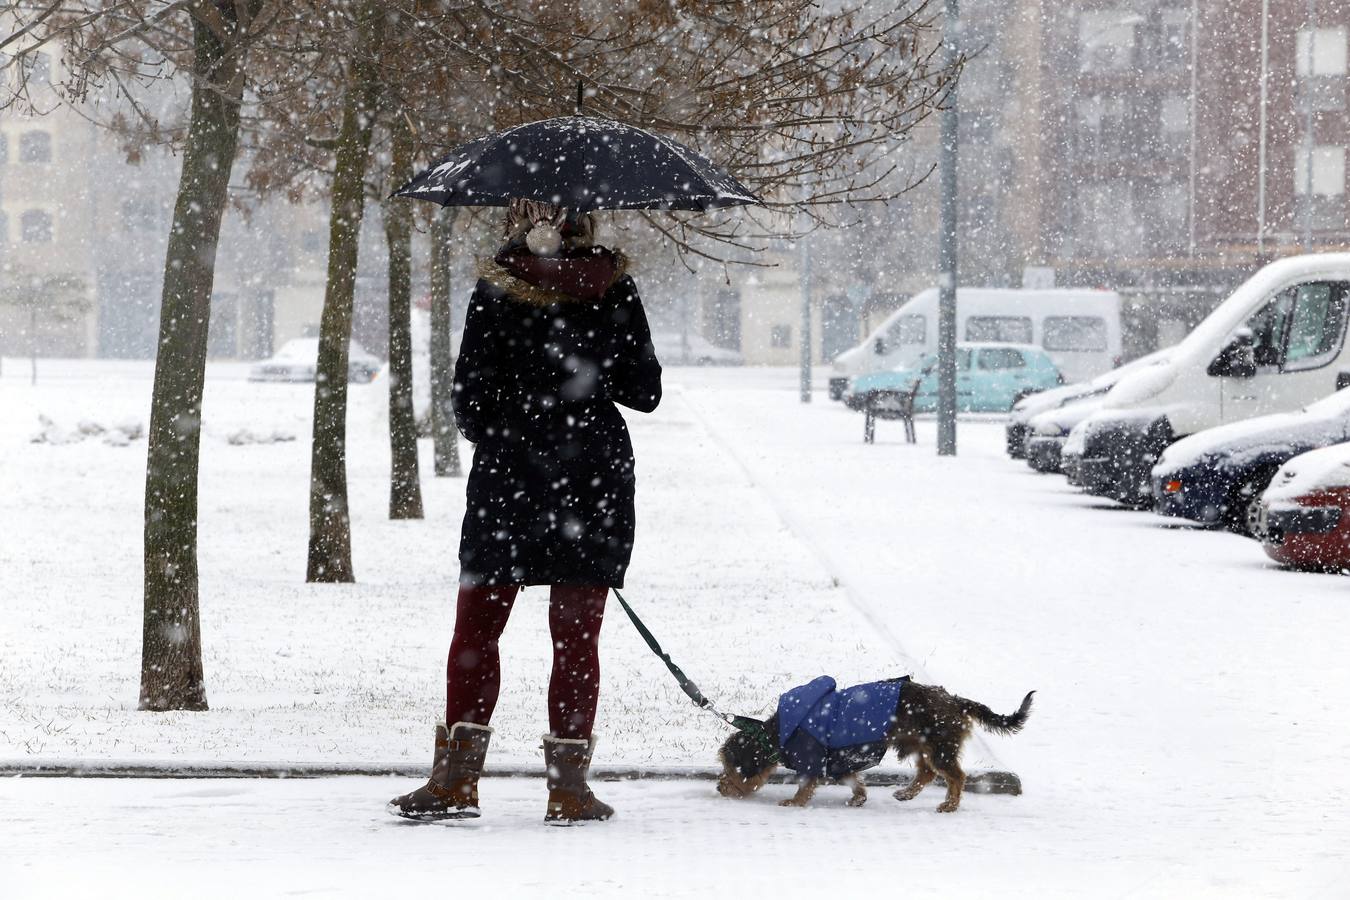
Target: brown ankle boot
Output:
[
  {"x": 569, "y": 797},
  {"x": 452, "y": 790}
]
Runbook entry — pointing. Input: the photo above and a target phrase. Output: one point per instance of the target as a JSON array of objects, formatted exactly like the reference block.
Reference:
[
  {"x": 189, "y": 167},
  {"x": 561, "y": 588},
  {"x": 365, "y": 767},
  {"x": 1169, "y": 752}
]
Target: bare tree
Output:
[
  {"x": 171, "y": 656},
  {"x": 444, "y": 433},
  {"x": 405, "y": 492},
  {"x": 330, "y": 542},
  {"x": 125, "y": 46}
]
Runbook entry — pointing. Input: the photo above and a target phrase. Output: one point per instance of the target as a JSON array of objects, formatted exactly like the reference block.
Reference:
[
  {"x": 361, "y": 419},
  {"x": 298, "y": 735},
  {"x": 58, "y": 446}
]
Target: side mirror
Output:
[
  {"x": 879, "y": 347},
  {"x": 1238, "y": 357},
  {"x": 1342, "y": 380}
]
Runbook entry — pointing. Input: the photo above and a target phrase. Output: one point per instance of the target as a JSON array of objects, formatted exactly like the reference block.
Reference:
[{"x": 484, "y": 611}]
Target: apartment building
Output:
[{"x": 84, "y": 228}]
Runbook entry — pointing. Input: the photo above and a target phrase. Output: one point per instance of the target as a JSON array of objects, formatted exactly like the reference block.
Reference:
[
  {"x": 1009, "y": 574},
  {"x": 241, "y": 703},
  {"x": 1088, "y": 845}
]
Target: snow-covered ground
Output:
[{"x": 1189, "y": 735}]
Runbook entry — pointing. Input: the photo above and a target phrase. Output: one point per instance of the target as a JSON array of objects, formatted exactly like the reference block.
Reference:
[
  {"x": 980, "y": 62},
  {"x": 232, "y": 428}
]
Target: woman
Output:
[{"x": 555, "y": 336}]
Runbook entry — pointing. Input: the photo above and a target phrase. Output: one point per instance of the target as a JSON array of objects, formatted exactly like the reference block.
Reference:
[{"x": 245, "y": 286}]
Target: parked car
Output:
[
  {"x": 1049, "y": 430},
  {"x": 989, "y": 378},
  {"x": 1071, "y": 452},
  {"x": 1275, "y": 345},
  {"x": 1017, "y": 430},
  {"x": 673, "y": 350},
  {"x": 1303, "y": 520},
  {"x": 298, "y": 359},
  {"x": 1217, "y": 476},
  {"x": 1080, "y": 329},
  {"x": 1032, "y": 405}
]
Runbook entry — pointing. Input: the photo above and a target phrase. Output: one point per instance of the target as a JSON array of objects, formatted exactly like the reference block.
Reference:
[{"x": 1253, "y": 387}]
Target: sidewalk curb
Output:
[{"x": 983, "y": 782}]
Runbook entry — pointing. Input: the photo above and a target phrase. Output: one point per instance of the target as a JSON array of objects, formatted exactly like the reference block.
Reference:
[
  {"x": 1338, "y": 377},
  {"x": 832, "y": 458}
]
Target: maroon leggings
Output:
[{"x": 473, "y": 672}]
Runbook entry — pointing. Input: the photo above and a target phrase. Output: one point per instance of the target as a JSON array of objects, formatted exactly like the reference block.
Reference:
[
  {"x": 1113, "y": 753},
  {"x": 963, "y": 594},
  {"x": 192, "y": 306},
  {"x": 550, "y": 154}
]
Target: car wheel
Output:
[{"x": 1244, "y": 509}]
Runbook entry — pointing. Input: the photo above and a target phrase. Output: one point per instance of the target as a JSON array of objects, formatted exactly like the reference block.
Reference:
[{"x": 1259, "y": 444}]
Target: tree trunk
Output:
[
  {"x": 405, "y": 492},
  {"x": 330, "y": 535},
  {"x": 445, "y": 435},
  {"x": 171, "y": 648}
]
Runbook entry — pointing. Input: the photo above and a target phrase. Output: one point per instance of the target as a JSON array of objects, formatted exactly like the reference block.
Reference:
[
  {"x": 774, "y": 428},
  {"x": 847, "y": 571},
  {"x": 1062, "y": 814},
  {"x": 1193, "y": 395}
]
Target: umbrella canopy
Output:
[{"x": 581, "y": 163}]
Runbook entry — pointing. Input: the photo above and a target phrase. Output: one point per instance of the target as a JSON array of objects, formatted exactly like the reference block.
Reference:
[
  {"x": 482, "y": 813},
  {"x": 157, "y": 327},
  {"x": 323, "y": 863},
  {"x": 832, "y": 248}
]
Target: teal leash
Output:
[{"x": 753, "y": 727}]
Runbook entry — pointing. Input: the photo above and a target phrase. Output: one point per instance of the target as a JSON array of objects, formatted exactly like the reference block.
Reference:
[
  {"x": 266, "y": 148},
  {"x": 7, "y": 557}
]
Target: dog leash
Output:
[{"x": 753, "y": 727}]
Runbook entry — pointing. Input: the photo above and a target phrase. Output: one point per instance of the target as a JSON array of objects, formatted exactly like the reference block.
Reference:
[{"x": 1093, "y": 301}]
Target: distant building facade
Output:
[
  {"x": 1163, "y": 148},
  {"x": 1167, "y": 170},
  {"x": 83, "y": 234}
]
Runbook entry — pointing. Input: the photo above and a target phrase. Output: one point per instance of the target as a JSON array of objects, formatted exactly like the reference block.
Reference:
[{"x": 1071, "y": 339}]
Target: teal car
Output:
[{"x": 989, "y": 378}]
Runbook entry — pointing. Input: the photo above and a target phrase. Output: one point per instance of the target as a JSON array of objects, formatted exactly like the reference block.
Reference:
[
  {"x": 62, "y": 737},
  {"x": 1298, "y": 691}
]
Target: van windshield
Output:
[{"x": 906, "y": 330}]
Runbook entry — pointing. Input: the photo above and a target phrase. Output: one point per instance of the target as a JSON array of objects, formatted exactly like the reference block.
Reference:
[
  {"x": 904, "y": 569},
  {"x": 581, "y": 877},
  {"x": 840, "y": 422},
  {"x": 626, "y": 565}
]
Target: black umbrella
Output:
[{"x": 581, "y": 163}]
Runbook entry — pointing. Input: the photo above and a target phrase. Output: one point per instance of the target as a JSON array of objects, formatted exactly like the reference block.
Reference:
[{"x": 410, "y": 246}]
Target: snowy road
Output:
[{"x": 1188, "y": 739}]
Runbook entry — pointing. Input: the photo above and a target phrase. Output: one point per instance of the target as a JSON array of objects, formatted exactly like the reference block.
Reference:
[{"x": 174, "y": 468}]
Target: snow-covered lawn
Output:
[{"x": 1189, "y": 737}]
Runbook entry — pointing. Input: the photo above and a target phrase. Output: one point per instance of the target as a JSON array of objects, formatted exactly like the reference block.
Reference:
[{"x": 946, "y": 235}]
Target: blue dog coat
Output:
[{"x": 824, "y": 732}]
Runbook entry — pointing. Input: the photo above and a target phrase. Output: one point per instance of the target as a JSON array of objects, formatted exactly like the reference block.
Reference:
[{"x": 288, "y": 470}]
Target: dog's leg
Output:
[
  {"x": 731, "y": 784},
  {"x": 804, "y": 792},
  {"x": 923, "y": 774},
  {"x": 859, "y": 790},
  {"x": 947, "y": 761}
]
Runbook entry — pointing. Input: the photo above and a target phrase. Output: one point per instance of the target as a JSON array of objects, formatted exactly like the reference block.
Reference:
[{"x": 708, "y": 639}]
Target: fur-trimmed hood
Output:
[{"x": 497, "y": 275}]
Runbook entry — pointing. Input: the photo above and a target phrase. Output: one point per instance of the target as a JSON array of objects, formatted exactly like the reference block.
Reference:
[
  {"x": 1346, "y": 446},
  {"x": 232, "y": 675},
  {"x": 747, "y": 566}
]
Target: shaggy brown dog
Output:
[{"x": 929, "y": 724}]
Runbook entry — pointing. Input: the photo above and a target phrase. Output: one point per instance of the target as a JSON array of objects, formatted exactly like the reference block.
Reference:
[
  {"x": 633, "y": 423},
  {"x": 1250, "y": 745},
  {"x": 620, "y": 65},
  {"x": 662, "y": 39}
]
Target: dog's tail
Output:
[{"x": 992, "y": 720}]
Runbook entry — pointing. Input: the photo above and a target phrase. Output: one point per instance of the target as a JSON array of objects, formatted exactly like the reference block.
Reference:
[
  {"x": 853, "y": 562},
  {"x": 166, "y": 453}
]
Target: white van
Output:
[
  {"x": 1080, "y": 329},
  {"x": 1275, "y": 345}
]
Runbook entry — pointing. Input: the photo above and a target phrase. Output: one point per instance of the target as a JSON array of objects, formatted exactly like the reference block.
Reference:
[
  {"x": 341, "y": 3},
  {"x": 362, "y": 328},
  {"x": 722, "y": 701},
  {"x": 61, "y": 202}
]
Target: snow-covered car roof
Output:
[
  {"x": 1316, "y": 470},
  {"x": 1034, "y": 404},
  {"x": 1062, "y": 419},
  {"x": 306, "y": 350},
  {"x": 1323, "y": 422}
]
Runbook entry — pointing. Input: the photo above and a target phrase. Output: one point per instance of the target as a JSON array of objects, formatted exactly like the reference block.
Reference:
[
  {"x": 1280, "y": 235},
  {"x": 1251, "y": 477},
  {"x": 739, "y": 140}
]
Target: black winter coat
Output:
[{"x": 550, "y": 496}]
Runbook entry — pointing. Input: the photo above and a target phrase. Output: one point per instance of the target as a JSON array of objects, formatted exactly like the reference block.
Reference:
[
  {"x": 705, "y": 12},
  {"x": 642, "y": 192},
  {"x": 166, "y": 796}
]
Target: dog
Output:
[{"x": 928, "y": 724}]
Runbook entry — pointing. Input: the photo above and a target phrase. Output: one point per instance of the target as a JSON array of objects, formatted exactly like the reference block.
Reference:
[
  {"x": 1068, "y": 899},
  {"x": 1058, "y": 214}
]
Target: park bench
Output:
[{"x": 889, "y": 404}]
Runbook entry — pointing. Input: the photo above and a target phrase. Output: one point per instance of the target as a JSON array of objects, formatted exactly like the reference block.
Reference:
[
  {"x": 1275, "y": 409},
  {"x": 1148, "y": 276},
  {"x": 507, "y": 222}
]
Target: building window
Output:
[
  {"x": 780, "y": 336},
  {"x": 1106, "y": 40},
  {"x": 1175, "y": 114},
  {"x": 1167, "y": 208},
  {"x": 1321, "y": 55},
  {"x": 1321, "y": 51},
  {"x": 35, "y": 226},
  {"x": 4, "y": 149},
  {"x": 4, "y": 228},
  {"x": 1109, "y": 217},
  {"x": 35, "y": 147},
  {"x": 1328, "y": 171},
  {"x": 1174, "y": 37},
  {"x": 1174, "y": 122},
  {"x": 1104, "y": 126}
]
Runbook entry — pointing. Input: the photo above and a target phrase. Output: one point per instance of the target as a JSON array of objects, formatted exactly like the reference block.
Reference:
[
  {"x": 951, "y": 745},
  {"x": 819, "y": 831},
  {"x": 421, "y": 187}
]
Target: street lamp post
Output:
[
  {"x": 1309, "y": 144},
  {"x": 805, "y": 266},
  {"x": 946, "y": 405}
]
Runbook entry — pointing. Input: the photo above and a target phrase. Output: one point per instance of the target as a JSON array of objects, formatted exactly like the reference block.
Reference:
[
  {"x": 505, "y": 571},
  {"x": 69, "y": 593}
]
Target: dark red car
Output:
[{"x": 1304, "y": 520}]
